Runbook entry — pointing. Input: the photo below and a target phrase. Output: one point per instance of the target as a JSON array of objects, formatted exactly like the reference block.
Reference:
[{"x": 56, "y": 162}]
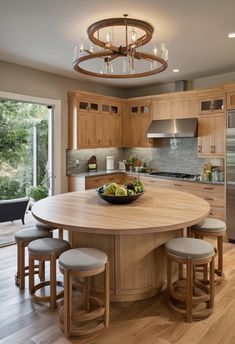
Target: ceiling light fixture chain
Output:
[{"x": 130, "y": 35}]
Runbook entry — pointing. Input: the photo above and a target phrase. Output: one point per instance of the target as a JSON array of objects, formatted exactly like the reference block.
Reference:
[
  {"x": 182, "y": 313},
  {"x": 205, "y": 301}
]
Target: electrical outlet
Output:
[{"x": 77, "y": 162}]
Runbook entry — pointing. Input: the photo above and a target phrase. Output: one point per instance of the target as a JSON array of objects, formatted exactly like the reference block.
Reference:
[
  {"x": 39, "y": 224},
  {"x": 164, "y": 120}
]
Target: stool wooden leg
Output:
[
  {"x": 169, "y": 282},
  {"x": 53, "y": 281},
  {"x": 189, "y": 291},
  {"x": 67, "y": 302},
  {"x": 60, "y": 233},
  {"x": 22, "y": 265},
  {"x": 31, "y": 274},
  {"x": 180, "y": 271},
  {"x": 41, "y": 272},
  {"x": 106, "y": 295},
  {"x": 220, "y": 254},
  {"x": 86, "y": 293},
  {"x": 205, "y": 272},
  {"x": 212, "y": 281}
]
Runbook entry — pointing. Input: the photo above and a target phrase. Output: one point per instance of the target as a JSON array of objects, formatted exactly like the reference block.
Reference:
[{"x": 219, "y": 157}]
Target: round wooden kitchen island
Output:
[{"x": 132, "y": 234}]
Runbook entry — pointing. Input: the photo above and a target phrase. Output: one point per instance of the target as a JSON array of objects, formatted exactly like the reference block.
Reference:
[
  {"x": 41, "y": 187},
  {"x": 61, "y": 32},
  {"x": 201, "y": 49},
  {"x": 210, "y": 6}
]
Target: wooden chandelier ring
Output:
[
  {"x": 140, "y": 24},
  {"x": 103, "y": 54}
]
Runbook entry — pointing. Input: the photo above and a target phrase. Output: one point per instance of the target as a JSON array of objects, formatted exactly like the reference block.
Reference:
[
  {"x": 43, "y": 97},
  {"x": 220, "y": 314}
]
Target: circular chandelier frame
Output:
[{"x": 111, "y": 52}]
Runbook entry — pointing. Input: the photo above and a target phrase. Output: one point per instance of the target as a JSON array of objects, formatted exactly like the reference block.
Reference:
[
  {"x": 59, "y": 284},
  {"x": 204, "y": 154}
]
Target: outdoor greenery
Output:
[
  {"x": 38, "y": 192},
  {"x": 17, "y": 120}
]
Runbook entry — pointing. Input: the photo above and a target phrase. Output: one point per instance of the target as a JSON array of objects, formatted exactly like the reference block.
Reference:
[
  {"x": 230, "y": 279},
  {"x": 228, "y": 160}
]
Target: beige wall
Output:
[
  {"x": 26, "y": 81},
  {"x": 196, "y": 84}
]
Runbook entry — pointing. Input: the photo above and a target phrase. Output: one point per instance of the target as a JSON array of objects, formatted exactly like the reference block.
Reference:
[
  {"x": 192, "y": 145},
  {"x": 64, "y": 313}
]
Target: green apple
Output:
[
  {"x": 110, "y": 189},
  {"x": 121, "y": 191}
]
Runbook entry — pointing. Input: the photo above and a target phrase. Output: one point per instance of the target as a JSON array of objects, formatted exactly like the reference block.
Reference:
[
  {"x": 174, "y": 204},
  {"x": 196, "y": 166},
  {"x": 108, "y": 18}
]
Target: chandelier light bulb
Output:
[
  {"x": 75, "y": 53},
  {"x": 166, "y": 55},
  {"x": 81, "y": 46},
  {"x": 91, "y": 50},
  {"x": 124, "y": 69},
  {"x": 133, "y": 37},
  {"x": 155, "y": 50},
  {"x": 107, "y": 43}
]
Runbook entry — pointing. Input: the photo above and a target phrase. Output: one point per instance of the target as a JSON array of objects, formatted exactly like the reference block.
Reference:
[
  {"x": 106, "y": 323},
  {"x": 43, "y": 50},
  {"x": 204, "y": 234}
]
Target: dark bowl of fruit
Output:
[{"x": 121, "y": 194}]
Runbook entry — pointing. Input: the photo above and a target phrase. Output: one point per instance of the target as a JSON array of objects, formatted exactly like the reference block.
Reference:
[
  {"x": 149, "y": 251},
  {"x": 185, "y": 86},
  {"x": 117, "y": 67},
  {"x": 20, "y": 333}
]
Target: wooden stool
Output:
[
  {"x": 23, "y": 237},
  {"x": 43, "y": 250},
  {"x": 83, "y": 263},
  {"x": 187, "y": 295},
  {"x": 41, "y": 225},
  {"x": 214, "y": 229}
]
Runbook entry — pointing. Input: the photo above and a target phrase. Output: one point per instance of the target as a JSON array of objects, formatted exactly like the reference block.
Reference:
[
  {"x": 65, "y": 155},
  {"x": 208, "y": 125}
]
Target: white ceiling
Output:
[{"x": 42, "y": 33}]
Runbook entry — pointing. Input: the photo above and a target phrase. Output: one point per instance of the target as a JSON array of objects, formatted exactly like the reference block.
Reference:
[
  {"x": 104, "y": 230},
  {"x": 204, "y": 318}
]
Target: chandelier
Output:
[{"x": 120, "y": 54}]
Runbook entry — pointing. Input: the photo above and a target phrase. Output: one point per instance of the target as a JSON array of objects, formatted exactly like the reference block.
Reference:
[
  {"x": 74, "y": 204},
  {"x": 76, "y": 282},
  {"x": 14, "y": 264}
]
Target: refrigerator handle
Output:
[{"x": 229, "y": 120}]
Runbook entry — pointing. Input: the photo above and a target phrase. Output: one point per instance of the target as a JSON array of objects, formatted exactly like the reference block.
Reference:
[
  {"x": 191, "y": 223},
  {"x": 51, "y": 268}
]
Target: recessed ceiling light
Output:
[
  {"x": 176, "y": 70},
  {"x": 231, "y": 35}
]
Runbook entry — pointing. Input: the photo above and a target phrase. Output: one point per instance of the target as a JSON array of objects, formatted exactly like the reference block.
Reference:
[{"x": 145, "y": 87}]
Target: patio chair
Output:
[{"x": 13, "y": 209}]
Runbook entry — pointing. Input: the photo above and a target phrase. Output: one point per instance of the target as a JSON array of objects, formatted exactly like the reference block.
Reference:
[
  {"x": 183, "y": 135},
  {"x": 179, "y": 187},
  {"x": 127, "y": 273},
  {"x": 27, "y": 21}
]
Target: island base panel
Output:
[{"x": 137, "y": 262}]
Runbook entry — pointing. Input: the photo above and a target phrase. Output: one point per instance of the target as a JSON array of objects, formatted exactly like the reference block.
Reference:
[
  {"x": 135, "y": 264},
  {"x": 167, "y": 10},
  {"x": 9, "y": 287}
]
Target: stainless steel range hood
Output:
[{"x": 182, "y": 127}]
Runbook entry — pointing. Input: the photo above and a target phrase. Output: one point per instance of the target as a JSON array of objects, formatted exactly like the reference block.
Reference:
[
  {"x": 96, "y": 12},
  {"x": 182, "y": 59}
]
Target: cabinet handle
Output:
[
  {"x": 209, "y": 199},
  {"x": 211, "y": 213},
  {"x": 199, "y": 149},
  {"x": 212, "y": 149},
  {"x": 99, "y": 142},
  {"x": 178, "y": 184},
  {"x": 207, "y": 188},
  {"x": 89, "y": 142}
]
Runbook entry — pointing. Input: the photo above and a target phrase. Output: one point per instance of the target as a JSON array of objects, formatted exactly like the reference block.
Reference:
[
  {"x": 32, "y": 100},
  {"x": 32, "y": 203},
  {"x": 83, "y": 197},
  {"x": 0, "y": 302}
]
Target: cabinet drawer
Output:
[
  {"x": 93, "y": 182},
  {"x": 213, "y": 194},
  {"x": 217, "y": 213}
]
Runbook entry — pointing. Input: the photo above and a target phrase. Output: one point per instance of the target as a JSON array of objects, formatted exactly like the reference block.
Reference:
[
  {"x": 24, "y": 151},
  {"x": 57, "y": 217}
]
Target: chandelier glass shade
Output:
[{"x": 119, "y": 43}]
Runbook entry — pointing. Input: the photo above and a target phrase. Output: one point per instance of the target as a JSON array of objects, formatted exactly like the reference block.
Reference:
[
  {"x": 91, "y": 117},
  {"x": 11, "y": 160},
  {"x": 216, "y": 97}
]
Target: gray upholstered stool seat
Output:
[
  {"x": 32, "y": 233},
  {"x": 77, "y": 316},
  {"x": 23, "y": 237},
  {"x": 213, "y": 229},
  {"x": 189, "y": 248},
  {"x": 47, "y": 246},
  {"x": 46, "y": 249},
  {"x": 41, "y": 225},
  {"x": 80, "y": 259},
  {"x": 210, "y": 225},
  {"x": 187, "y": 295}
]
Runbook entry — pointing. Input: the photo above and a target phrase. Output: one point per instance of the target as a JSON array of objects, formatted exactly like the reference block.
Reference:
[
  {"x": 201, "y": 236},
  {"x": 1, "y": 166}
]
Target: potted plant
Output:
[{"x": 36, "y": 193}]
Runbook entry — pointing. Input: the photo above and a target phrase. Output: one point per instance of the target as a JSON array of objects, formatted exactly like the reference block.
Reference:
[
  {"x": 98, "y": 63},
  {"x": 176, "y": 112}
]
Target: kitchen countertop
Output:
[{"x": 104, "y": 172}]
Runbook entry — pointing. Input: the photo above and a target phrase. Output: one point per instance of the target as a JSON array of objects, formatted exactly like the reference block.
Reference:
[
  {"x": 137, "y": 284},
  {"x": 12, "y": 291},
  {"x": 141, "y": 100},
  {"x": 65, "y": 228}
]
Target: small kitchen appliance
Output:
[{"x": 109, "y": 163}]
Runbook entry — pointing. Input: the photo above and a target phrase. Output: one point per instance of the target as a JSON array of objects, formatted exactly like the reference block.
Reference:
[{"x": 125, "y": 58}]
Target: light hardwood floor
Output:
[
  {"x": 8, "y": 229},
  {"x": 141, "y": 322}
]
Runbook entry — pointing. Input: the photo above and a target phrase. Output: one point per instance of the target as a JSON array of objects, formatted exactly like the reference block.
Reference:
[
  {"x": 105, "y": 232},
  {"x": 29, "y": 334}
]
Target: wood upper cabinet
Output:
[
  {"x": 94, "y": 121},
  {"x": 211, "y": 135},
  {"x": 176, "y": 105},
  {"x": 161, "y": 109},
  {"x": 138, "y": 120},
  {"x": 185, "y": 108},
  {"x": 231, "y": 100},
  {"x": 211, "y": 101}
]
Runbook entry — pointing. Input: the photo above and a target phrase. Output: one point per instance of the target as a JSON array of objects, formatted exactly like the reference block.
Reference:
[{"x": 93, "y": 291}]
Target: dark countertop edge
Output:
[
  {"x": 92, "y": 174},
  {"x": 103, "y": 173}
]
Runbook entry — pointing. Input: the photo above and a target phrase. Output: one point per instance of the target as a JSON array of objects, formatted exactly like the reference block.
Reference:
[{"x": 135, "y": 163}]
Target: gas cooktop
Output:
[{"x": 173, "y": 175}]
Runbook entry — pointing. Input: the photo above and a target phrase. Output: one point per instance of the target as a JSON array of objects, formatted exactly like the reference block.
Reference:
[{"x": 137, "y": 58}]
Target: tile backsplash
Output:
[
  {"x": 173, "y": 155},
  {"x": 83, "y": 156}
]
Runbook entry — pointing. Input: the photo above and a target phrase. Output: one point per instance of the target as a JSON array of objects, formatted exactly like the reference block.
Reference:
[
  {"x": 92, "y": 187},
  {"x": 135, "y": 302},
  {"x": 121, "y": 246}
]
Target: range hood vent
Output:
[{"x": 182, "y": 127}]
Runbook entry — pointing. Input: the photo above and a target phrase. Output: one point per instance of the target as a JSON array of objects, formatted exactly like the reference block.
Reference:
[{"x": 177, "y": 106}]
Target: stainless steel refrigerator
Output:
[{"x": 230, "y": 175}]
